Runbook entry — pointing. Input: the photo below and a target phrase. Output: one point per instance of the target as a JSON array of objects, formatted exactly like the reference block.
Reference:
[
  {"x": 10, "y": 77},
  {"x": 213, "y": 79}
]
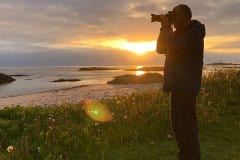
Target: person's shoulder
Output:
[{"x": 197, "y": 27}]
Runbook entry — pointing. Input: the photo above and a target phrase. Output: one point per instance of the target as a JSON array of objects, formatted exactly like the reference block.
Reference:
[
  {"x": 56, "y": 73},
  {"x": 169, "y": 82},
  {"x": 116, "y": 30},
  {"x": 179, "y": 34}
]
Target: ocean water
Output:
[{"x": 39, "y": 79}]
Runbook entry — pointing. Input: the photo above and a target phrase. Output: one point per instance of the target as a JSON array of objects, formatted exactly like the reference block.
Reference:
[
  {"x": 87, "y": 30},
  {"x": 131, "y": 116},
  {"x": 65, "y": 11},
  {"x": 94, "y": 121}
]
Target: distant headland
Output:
[
  {"x": 95, "y": 68},
  {"x": 5, "y": 79}
]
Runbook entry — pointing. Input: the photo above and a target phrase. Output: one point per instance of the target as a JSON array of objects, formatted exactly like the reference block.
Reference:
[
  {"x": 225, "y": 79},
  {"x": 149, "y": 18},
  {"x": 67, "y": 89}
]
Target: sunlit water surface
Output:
[{"x": 39, "y": 79}]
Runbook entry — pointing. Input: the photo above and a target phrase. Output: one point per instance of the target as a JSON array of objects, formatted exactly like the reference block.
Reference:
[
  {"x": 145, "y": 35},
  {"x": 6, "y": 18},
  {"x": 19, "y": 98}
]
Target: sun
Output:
[{"x": 139, "y": 48}]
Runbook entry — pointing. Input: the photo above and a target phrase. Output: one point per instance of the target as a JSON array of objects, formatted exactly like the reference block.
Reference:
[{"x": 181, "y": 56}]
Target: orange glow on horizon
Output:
[
  {"x": 215, "y": 44},
  {"x": 222, "y": 44},
  {"x": 139, "y": 48}
]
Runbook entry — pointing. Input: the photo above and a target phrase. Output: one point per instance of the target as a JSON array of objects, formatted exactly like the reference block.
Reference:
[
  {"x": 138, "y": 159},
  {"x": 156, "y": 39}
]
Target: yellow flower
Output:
[{"x": 10, "y": 148}]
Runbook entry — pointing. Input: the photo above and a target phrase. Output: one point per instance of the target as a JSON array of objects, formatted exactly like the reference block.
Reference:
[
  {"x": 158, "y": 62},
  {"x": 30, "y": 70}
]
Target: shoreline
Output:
[
  {"x": 75, "y": 94},
  {"x": 52, "y": 90}
]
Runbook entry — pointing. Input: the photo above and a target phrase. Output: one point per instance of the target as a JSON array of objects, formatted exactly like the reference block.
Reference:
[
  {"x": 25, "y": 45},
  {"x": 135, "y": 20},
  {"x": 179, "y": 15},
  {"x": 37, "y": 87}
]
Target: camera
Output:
[{"x": 157, "y": 18}]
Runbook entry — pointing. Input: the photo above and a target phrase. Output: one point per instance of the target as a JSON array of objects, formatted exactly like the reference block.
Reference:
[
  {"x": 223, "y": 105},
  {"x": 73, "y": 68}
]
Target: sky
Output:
[{"x": 106, "y": 32}]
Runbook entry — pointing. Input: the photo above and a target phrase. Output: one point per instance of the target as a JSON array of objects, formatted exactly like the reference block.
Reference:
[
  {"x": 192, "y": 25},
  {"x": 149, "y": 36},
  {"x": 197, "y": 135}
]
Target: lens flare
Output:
[{"x": 98, "y": 111}]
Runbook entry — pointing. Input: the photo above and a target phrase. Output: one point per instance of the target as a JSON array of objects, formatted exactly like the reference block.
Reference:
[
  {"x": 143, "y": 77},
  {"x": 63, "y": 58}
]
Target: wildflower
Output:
[
  {"x": 169, "y": 136},
  {"x": 10, "y": 149},
  {"x": 42, "y": 133},
  {"x": 39, "y": 149},
  {"x": 125, "y": 117},
  {"x": 96, "y": 124},
  {"x": 53, "y": 120}
]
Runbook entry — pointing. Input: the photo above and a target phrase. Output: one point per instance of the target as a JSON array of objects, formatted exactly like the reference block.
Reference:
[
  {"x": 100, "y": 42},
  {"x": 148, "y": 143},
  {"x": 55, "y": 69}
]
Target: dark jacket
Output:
[{"x": 184, "y": 57}]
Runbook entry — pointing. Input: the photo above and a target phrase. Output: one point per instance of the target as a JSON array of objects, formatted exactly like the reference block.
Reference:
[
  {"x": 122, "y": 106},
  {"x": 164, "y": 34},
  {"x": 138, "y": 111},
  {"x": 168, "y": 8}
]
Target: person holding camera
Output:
[{"x": 183, "y": 49}]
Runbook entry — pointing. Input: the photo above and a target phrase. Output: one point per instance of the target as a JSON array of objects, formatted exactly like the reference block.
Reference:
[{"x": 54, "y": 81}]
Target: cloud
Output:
[{"x": 33, "y": 25}]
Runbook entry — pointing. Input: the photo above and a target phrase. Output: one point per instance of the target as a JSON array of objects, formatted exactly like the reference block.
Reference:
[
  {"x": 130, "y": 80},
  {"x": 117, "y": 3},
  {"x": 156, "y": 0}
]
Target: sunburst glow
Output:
[{"x": 139, "y": 48}]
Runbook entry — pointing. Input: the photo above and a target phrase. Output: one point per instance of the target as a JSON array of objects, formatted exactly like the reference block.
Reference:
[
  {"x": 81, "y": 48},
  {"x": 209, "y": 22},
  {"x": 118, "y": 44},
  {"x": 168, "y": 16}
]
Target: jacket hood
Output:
[{"x": 196, "y": 25}]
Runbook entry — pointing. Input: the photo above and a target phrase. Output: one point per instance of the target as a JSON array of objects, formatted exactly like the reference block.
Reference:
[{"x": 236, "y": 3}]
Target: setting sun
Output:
[{"x": 139, "y": 48}]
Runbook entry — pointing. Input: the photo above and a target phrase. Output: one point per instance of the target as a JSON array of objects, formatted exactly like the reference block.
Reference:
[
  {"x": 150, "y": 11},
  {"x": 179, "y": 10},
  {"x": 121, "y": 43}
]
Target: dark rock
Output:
[
  {"x": 146, "y": 69},
  {"x": 96, "y": 68},
  {"x": 222, "y": 64},
  {"x": 18, "y": 75},
  {"x": 66, "y": 80},
  {"x": 5, "y": 78},
  {"x": 133, "y": 79}
]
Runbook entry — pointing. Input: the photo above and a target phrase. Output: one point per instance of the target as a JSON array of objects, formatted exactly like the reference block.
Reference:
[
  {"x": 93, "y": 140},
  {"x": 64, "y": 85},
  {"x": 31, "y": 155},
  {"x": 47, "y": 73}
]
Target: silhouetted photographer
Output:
[{"x": 183, "y": 49}]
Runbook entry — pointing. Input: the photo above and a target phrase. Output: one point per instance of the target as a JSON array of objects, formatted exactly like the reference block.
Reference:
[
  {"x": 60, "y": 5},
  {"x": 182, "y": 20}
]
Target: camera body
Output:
[{"x": 157, "y": 18}]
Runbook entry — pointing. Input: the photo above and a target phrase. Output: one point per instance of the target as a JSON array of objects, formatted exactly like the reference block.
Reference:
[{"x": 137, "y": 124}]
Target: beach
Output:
[{"x": 74, "y": 95}]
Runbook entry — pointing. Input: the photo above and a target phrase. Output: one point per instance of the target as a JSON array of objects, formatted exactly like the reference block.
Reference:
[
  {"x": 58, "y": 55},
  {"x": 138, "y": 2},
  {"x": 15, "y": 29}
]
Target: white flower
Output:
[
  {"x": 10, "y": 149},
  {"x": 39, "y": 149},
  {"x": 169, "y": 136}
]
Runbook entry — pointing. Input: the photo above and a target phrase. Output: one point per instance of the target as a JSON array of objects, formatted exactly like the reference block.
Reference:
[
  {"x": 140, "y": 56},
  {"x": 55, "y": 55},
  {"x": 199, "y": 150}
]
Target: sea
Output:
[{"x": 39, "y": 79}]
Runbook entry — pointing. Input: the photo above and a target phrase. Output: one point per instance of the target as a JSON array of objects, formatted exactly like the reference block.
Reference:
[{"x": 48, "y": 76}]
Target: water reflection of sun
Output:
[{"x": 139, "y": 71}]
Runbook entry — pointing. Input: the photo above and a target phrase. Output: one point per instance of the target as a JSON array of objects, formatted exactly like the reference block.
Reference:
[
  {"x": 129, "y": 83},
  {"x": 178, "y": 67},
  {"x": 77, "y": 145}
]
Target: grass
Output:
[{"x": 139, "y": 129}]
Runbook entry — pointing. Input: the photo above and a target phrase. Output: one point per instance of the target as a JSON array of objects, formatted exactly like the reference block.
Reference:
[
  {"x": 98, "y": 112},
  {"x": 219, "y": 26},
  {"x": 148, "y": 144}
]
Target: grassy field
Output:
[{"x": 139, "y": 128}]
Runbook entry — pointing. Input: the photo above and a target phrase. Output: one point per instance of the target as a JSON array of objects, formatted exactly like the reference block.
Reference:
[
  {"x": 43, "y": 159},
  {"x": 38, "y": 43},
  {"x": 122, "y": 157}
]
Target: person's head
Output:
[{"x": 182, "y": 14}]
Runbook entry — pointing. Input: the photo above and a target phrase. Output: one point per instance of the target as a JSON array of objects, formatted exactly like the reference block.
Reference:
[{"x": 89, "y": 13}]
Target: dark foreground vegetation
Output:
[{"x": 139, "y": 129}]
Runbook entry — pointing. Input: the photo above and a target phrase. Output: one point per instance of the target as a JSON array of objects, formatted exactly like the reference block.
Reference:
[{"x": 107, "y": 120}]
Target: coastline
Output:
[
  {"x": 75, "y": 94},
  {"x": 53, "y": 90}
]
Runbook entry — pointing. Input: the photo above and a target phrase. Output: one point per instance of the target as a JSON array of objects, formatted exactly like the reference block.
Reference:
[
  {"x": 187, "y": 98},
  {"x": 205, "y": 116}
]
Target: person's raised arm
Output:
[{"x": 166, "y": 29}]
